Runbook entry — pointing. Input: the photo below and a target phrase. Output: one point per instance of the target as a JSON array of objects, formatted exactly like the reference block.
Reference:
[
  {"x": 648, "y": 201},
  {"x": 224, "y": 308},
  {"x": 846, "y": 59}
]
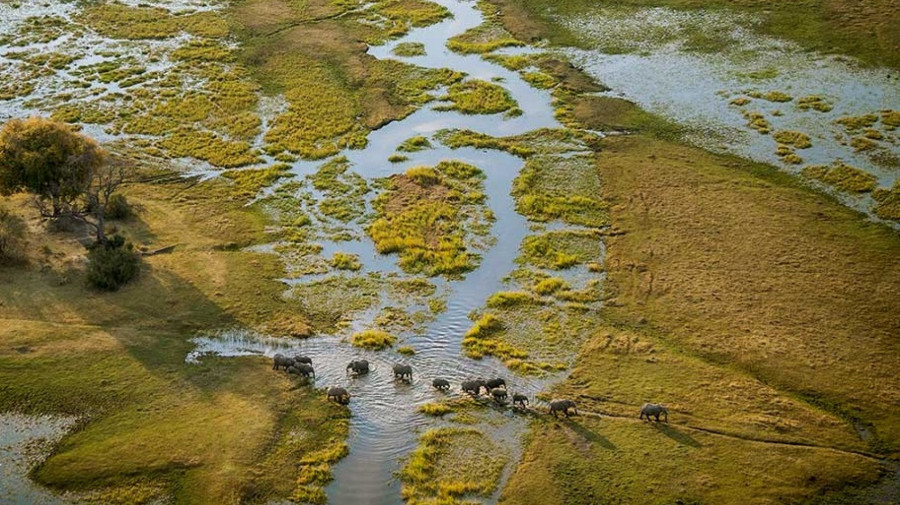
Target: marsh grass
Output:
[
  {"x": 248, "y": 183},
  {"x": 757, "y": 121},
  {"x": 814, "y": 102},
  {"x": 409, "y": 49},
  {"x": 887, "y": 202},
  {"x": 423, "y": 216},
  {"x": 559, "y": 250},
  {"x": 344, "y": 261},
  {"x": 450, "y": 464},
  {"x": 796, "y": 139},
  {"x": 478, "y": 97},
  {"x": 373, "y": 339},
  {"x": 414, "y": 144},
  {"x": 843, "y": 177},
  {"x": 560, "y": 188}
]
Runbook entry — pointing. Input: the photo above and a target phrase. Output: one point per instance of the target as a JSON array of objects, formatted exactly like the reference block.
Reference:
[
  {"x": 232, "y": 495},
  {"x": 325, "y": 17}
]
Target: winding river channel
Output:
[{"x": 385, "y": 423}]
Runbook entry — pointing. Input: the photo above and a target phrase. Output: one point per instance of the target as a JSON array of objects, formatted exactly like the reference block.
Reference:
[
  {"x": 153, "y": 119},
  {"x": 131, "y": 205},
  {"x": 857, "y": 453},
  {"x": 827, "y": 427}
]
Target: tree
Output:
[{"x": 50, "y": 160}]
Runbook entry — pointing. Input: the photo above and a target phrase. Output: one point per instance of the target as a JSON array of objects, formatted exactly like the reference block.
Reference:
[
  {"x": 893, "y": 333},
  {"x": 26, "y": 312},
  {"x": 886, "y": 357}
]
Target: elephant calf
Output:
[
  {"x": 302, "y": 369},
  {"x": 562, "y": 406},
  {"x": 339, "y": 395},
  {"x": 358, "y": 367},
  {"x": 499, "y": 395},
  {"x": 441, "y": 384},
  {"x": 654, "y": 409},
  {"x": 520, "y": 400},
  {"x": 280, "y": 361},
  {"x": 403, "y": 372},
  {"x": 303, "y": 359}
]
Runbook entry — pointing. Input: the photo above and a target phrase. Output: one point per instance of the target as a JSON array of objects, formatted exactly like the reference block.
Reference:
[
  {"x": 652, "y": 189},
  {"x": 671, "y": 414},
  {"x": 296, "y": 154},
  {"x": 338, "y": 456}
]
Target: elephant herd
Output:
[{"x": 495, "y": 388}]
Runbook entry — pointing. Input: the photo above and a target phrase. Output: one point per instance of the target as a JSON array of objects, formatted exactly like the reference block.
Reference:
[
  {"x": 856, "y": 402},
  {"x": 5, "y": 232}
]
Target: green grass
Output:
[
  {"x": 478, "y": 97},
  {"x": 120, "y": 363},
  {"x": 373, "y": 339},
  {"x": 561, "y": 249}
]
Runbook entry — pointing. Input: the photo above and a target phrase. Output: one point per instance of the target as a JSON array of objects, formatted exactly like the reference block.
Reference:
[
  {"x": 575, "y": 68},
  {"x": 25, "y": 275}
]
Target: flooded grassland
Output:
[{"x": 407, "y": 181}]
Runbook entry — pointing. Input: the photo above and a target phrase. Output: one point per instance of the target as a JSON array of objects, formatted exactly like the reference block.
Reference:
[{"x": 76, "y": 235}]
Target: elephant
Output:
[
  {"x": 520, "y": 400},
  {"x": 499, "y": 395},
  {"x": 472, "y": 387},
  {"x": 562, "y": 406},
  {"x": 303, "y": 359},
  {"x": 302, "y": 369},
  {"x": 358, "y": 367},
  {"x": 441, "y": 384},
  {"x": 281, "y": 361},
  {"x": 495, "y": 383},
  {"x": 339, "y": 395},
  {"x": 654, "y": 409},
  {"x": 403, "y": 372}
]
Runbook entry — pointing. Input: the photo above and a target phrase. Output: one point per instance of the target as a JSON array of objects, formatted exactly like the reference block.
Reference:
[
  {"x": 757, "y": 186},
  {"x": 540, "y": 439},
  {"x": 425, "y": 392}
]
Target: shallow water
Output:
[
  {"x": 24, "y": 442},
  {"x": 655, "y": 69}
]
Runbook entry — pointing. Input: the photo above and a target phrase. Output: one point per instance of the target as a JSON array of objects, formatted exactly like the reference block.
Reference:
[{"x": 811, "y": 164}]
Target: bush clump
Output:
[
  {"x": 112, "y": 264},
  {"x": 118, "y": 208}
]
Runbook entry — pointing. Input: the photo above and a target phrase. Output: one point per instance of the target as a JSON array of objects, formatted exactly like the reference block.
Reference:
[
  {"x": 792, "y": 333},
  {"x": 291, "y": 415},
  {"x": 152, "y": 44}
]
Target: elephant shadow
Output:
[
  {"x": 589, "y": 435},
  {"x": 678, "y": 436}
]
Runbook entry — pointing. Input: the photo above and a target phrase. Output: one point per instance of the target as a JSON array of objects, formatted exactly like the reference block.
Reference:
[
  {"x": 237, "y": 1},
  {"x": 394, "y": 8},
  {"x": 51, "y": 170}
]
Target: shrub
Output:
[
  {"x": 112, "y": 264},
  {"x": 406, "y": 350},
  {"x": 12, "y": 234},
  {"x": 118, "y": 207}
]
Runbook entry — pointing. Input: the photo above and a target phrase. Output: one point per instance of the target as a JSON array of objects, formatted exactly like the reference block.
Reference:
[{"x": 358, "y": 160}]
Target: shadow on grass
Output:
[
  {"x": 589, "y": 435},
  {"x": 678, "y": 436}
]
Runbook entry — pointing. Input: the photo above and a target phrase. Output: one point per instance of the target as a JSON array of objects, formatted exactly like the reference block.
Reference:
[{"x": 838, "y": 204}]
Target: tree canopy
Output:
[{"x": 49, "y": 159}]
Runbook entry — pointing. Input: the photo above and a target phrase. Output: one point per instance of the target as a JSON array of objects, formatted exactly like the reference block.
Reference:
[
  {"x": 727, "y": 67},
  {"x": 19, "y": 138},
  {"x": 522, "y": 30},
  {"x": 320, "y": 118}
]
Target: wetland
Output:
[{"x": 666, "y": 201}]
